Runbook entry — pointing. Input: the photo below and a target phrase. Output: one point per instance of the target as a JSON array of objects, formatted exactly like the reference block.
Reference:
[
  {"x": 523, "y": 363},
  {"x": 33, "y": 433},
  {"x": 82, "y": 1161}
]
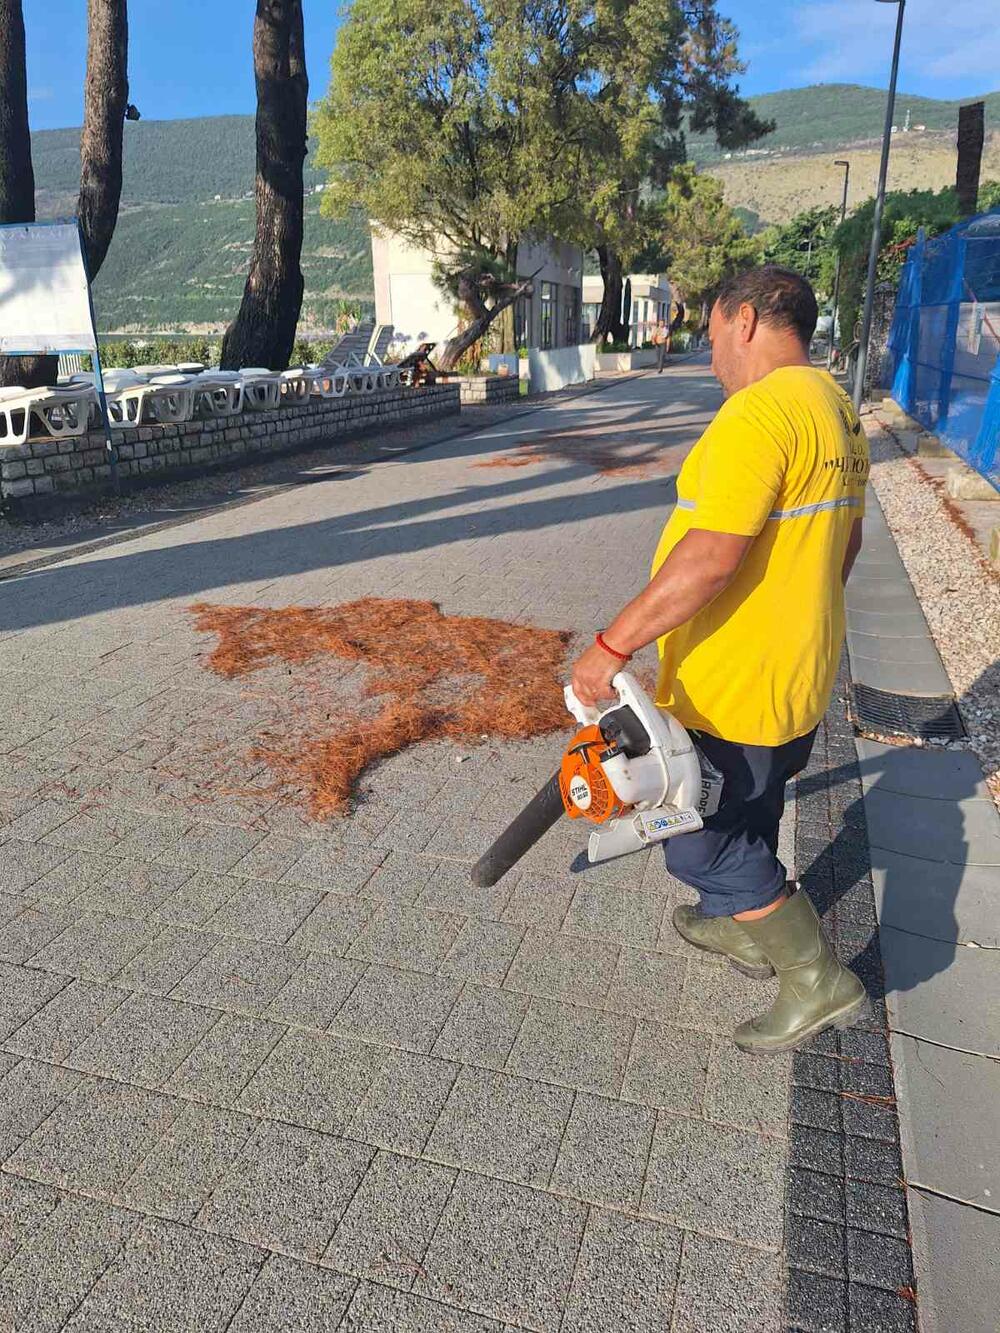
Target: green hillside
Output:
[{"x": 833, "y": 115}]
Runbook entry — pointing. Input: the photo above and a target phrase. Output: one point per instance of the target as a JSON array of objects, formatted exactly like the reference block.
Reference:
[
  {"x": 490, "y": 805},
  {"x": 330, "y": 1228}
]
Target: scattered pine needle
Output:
[
  {"x": 436, "y": 676},
  {"x": 512, "y": 460}
]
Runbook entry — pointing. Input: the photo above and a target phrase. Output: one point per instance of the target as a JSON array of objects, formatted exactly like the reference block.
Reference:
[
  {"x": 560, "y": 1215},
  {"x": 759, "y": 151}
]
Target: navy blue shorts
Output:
[{"x": 733, "y": 861}]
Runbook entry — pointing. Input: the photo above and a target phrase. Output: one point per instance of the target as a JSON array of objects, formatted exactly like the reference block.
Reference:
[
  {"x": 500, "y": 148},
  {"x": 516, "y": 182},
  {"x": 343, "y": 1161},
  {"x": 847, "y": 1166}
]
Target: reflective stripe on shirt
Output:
[{"x": 822, "y": 506}]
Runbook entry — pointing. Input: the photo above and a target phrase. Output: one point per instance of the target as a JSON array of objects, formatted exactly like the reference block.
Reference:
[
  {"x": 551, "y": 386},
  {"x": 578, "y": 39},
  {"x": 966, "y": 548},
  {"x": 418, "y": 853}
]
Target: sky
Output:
[{"x": 193, "y": 58}]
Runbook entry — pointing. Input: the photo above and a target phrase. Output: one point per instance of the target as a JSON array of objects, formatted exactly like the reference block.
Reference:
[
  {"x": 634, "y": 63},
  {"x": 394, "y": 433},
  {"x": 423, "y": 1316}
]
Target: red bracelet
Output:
[{"x": 600, "y": 641}]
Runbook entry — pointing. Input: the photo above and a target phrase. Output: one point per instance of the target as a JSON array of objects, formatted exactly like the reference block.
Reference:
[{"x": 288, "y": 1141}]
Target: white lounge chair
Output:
[
  {"x": 328, "y": 381},
  {"x": 62, "y": 412},
  {"x": 299, "y": 384},
  {"x": 261, "y": 388},
  {"x": 218, "y": 393},
  {"x": 134, "y": 398}
]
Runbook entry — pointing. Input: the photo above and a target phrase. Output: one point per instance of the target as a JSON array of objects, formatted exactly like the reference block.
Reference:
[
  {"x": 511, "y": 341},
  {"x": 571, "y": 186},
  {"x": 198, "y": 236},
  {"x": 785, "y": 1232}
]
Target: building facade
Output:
[
  {"x": 651, "y": 299},
  {"x": 406, "y": 296}
]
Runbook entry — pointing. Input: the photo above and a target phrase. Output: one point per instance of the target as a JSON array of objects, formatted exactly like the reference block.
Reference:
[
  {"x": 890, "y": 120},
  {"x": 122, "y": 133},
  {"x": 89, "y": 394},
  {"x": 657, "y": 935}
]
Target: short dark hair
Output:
[{"x": 779, "y": 295}]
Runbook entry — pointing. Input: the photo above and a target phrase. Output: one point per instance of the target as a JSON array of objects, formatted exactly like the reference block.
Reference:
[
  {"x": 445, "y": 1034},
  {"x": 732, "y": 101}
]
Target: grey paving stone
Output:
[
  {"x": 876, "y": 1208},
  {"x": 625, "y": 1276},
  {"x": 541, "y": 901},
  {"x": 28, "y": 932},
  {"x": 965, "y": 832},
  {"x": 169, "y": 1277},
  {"x": 59, "y": 1027},
  {"x": 292, "y": 1297},
  {"x": 96, "y": 947},
  {"x": 615, "y": 912},
  {"x": 22, "y": 864},
  {"x": 867, "y": 1307},
  {"x": 401, "y": 936},
  {"x": 376, "y": 1308},
  {"x": 399, "y": 879},
  {"x": 942, "y": 900},
  {"x": 604, "y": 1151},
  {"x": 29, "y": 1093},
  {"x": 502, "y": 1126},
  {"x": 272, "y": 857},
  {"x": 132, "y": 888},
  {"x": 817, "y": 1247},
  {"x": 667, "y": 1067},
  {"x": 505, "y": 1251},
  {"x": 718, "y": 999},
  {"x": 482, "y": 1026},
  {"x": 750, "y": 1091},
  {"x": 821, "y": 1110},
  {"x": 812, "y": 1194},
  {"x": 65, "y": 882},
  {"x": 264, "y": 911},
  {"x": 386, "y": 1228},
  {"x": 165, "y": 963},
  {"x": 316, "y": 990},
  {"x": 941, "y": 992},
  {"x": 40, "y": 819},
  {"x": 144, "y": 1040},
  {"x": 310, "y": 1079},
  {"x": 647, "y": 985},
  {"x": 50, "y": 1275},
  {"x": 816, "y": 1304},
  {"x": 868, "y": 1159},
  {"x": 563, "y": 967},
  {"x": 99, "y": 829},
  {"x": 905, "y": 677},
  {"x": 403, "y": 1101},
  {"x": 223, "y": 1063},
  {"x": 582, "y": 1048},
  {"x": 334, "y": 868},
  {"x": 239, "y": 975},
  {"x": 95, "y": 1138},
  {"x": 956, "y": 1251},
  {"x": 952, "y": 1121},
  {"x": 448, "y": 888},
  {"x": 287, "y": 1190},
  {"x": 200, "y": 894},
  {"x": 334, "y": 924},
  {"x": 211, "y": 847},
  {"x": 23, "y": 992},
  {"x": 24, "y": 1206},
  {"x": 943, "y": 775},
  {"x": 188, "y": 1162},
  {"x": 716, "y": 1179},
  {"x": 404, "y": 1009},
  {"x": 482, "y": 952},
  {"x": 727, "y": 1288},
  {"x": 878, "y": 1261}
]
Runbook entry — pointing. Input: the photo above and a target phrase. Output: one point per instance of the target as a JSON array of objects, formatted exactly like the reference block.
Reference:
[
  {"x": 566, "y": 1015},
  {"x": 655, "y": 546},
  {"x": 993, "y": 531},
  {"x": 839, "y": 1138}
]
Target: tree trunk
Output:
[
  {"x": 970, "y": 156},
  {"x": 263, "y": 332},
  {"x": 17, "y": 178},
  {"x": 481, "y": 317},
  {"x": 609, "y": 317},
  {"x": 624, "y": 331},
  {"x": 104, "y": 101}
]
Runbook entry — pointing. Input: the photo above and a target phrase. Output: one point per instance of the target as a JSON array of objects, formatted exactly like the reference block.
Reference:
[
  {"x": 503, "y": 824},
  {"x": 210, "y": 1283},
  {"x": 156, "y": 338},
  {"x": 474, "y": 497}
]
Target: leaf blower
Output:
[{"x": 633, "y": 771}]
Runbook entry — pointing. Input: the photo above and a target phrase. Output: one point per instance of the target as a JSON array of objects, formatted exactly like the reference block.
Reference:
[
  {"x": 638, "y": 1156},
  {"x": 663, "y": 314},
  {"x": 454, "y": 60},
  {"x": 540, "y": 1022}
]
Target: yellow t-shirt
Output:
[{"x": 784, "y": 461}]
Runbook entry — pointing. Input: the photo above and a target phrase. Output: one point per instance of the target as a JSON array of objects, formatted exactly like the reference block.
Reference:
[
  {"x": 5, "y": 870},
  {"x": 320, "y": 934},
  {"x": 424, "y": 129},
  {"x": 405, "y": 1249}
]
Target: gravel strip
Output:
[{"x": 958, "y": 589}]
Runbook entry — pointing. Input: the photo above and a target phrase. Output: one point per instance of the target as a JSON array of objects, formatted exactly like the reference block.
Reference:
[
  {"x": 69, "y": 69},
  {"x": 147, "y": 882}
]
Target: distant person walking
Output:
[{"x": 661, "y": 341}]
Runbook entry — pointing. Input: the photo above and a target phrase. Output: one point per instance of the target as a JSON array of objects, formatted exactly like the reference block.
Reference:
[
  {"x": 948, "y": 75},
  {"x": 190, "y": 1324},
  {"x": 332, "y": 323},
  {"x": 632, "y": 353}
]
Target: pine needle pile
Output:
[{"x": 427, "y": 676}]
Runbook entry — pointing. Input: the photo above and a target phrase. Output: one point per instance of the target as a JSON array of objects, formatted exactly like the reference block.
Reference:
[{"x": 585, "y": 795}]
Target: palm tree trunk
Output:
[
  {"x": 104, "y": 101},
  {"x": 17, "y": 178},
  {"x": 263, "y": 332}
]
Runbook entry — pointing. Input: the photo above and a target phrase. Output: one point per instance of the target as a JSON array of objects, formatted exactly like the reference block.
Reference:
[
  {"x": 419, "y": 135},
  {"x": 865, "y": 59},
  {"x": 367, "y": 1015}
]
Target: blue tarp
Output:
[{"x": 945, "y": 340}]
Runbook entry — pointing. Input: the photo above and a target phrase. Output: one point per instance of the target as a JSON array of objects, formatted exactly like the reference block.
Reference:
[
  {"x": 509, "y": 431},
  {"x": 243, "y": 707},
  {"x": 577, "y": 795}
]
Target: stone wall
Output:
[
  {"x": 480, "y": 389},
  {"x": 36, "y": 473}
]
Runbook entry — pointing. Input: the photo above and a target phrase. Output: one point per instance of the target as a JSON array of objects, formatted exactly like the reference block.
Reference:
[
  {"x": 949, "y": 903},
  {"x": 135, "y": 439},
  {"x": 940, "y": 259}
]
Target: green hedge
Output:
[{"x": 125, "y": 352}]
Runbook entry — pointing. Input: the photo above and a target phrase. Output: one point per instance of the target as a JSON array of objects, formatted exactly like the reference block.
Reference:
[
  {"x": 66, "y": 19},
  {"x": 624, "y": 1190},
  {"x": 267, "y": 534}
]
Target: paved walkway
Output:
[{"x": 258, "y": 1072}]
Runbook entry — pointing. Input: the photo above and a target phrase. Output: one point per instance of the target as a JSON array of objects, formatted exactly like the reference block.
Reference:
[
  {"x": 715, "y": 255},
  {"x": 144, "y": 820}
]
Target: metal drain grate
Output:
[{"x": 926, "y": 717}]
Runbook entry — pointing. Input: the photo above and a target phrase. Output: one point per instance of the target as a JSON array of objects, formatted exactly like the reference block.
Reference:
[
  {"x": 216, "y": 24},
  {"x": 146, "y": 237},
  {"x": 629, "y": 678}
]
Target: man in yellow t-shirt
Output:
[{"x": 746, "y": 602}]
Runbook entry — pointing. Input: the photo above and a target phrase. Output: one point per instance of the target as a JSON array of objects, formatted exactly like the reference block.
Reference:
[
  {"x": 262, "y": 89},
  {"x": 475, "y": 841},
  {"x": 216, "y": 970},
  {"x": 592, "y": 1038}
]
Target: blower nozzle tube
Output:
[{"x": 537, "y": 817}]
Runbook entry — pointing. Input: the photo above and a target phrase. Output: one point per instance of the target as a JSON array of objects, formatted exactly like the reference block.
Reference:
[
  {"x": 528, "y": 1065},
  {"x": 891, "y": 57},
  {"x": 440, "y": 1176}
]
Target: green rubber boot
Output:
[
  {"x": 721, "y": 934},
  {"x": 816, "y": 990}
]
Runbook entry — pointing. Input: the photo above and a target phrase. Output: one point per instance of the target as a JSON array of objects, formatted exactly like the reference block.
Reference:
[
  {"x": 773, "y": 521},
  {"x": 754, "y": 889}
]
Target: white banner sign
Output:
[{"x": 44, "y": 298}]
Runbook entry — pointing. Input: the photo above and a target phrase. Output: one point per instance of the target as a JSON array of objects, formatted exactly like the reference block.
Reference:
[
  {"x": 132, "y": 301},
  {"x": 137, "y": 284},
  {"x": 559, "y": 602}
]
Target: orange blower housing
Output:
[{"x": 586, "y": 792}]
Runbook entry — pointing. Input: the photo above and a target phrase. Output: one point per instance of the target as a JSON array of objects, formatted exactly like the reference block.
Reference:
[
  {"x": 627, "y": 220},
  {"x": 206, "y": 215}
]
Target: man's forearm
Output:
[{"x": 699, "y": 567}]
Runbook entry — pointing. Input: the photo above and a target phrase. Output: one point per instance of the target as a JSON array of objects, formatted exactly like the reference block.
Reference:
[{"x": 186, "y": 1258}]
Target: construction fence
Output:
[{"x": 944, "y": 363}]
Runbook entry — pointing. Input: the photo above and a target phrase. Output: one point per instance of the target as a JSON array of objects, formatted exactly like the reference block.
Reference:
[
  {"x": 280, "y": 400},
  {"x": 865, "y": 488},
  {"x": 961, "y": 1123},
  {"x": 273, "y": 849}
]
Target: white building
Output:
[
  {"x": 407, "y": 298},
  {"x": 651, "y": 298}
]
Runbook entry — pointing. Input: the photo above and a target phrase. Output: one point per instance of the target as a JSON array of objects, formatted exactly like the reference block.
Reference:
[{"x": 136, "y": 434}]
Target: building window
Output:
[
  {"x": 548, "y": 313},
  {"x": 522, "y": 320},
  {"x": 571, "y": 317},
  {"x": 591, "y": 309}
]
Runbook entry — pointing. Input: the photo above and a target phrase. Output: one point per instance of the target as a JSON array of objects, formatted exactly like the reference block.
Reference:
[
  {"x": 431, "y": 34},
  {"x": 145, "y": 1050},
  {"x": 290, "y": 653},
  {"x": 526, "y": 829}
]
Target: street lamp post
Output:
[
  {"x": 861, "y": 370},
  {"x": 836, "y": 274}
]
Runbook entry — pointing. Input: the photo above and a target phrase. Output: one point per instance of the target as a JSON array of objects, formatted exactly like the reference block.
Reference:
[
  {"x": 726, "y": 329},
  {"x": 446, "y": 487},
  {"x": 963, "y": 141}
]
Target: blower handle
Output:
[{"x": 587, "y": 716}]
